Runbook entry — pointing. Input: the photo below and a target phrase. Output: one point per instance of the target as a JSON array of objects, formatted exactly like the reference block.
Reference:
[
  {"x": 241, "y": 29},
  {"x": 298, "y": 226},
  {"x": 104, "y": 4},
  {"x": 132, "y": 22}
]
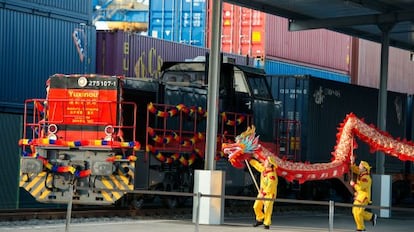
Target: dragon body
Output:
[{"x": 247, "y": 146}]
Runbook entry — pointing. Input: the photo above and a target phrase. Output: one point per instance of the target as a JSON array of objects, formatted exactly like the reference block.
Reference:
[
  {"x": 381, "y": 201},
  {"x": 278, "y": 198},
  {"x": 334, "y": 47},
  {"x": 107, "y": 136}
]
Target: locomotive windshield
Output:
[
  {"x": 252, "y": 84},
  {"x": 258, "y": 86},
  {"x": 247, "y": 80},
  {"x": 187, "y": 77},
  {"x": 184, "y": 73}
]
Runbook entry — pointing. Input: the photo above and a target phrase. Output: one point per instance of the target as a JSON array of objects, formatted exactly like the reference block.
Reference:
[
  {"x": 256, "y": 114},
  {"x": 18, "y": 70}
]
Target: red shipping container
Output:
[
  {"x": 323, "y": 48},
  {"x": 400, "y": 67},
  {"x": 243, "y": 30},
  {"x": 257, "y": 34}
]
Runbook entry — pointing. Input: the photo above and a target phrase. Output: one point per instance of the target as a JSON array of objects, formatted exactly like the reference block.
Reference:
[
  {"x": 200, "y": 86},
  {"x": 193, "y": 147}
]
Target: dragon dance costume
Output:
[
  {"x": 362, "y": 194},
  {"x": 268, "y": 189}
]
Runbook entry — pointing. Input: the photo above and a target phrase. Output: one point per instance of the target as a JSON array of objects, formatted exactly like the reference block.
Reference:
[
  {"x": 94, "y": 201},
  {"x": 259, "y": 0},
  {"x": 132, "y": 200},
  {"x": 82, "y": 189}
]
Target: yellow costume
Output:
[
  {"x": 268, "y": 189},
  {"x": 362, "y": 195}
]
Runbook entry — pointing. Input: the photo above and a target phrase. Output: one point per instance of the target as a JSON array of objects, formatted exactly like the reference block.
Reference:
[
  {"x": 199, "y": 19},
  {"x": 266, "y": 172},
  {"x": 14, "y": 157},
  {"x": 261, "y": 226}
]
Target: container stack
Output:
[
  {"x": 38, "y": 38},
  {"x": 265, "y": 40},
  {"x": 309, "y": 71}
]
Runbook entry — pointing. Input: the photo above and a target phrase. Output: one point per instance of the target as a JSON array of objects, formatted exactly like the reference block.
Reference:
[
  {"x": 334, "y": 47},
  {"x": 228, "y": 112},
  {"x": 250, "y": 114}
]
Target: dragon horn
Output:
[{"x": 249, "y": 131}]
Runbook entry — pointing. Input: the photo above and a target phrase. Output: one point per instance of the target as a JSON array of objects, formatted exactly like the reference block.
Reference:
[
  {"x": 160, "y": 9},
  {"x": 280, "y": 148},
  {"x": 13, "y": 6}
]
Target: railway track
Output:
[
  {"x": 113, "y": 212},
  {"x": 55, "y": 214}
]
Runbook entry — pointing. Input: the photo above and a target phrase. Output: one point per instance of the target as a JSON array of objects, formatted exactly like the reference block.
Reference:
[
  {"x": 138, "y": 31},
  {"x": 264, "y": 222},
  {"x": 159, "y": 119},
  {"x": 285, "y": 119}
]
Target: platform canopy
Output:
[{"x": 366, "y": 19}]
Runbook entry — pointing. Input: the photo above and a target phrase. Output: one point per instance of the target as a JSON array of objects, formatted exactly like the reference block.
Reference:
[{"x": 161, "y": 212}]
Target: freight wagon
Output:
[{"x": 103, "y": 136}]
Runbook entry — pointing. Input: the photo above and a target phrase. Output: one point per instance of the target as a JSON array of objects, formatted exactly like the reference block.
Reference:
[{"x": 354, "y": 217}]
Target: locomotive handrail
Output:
[
  {"x": 38, "y": 119},
  {"x": 159, "y": 139}
]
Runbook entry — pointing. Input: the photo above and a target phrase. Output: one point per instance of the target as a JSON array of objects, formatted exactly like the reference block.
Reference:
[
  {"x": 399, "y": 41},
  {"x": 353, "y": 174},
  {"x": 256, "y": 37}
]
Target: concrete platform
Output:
[{"x": 290, "y": 222}]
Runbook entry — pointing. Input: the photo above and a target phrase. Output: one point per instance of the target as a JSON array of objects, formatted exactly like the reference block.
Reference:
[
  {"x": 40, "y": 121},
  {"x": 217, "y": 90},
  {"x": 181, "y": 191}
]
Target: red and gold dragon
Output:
[{"x": 247, "y": 146}]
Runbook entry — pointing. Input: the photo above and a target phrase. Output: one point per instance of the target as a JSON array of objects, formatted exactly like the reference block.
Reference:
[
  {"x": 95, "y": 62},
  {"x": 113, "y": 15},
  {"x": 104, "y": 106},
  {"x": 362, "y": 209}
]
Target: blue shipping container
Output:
[
  {"x": 275, "y": 67},
  {"x": 182, "y": 21},
  {"x": 9, "y": 160},
  {"x": 35, "y": 47},
  {"x": 73, "y": 10}
]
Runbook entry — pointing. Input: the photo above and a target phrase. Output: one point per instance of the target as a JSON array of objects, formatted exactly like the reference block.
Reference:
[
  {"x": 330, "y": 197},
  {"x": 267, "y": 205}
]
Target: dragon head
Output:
[{"x": 245, "y": 146}]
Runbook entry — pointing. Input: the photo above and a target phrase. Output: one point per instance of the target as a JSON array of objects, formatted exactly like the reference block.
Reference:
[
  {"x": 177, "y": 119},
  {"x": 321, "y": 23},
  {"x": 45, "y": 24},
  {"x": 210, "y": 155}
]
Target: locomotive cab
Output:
[{"x": 242, "y": 89}]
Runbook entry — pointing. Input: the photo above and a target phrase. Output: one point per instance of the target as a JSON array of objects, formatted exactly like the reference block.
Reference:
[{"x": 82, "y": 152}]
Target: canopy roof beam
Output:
[{"x": 348, "y": 21}]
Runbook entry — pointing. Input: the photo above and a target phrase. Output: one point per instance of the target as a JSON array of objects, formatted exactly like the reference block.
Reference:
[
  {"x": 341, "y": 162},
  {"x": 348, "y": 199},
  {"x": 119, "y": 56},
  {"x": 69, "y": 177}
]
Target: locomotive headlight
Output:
[
  {"x": 82, "y": 81},
  {"x": 109, "y": 130},
  {"x": 52, "y": 137},
  {"x": 52, "y": 129},
  {"x": 102, "y": 168},
  {"x": 30, "y": 165}
]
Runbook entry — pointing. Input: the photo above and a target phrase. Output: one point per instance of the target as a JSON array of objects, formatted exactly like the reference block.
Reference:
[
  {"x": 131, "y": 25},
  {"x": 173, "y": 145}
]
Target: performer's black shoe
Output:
[
  {"x": 374, "y": 219},
  {"x": 266, "y": 227},
  {"x": 257, "y": 224}
]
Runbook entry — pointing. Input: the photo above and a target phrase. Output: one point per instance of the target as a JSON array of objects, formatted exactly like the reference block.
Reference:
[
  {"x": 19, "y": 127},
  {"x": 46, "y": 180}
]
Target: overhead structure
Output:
[
  {"x": 125, "y": 15},
  {"x": 388, "y": 22},
  {"x": 359, "y": 18}
]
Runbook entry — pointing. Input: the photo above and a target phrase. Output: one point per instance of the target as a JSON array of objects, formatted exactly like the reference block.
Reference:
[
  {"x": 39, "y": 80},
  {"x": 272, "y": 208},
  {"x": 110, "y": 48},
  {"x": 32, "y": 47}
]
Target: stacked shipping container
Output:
[
  {"x": 319, "y": 106},
  {"x": 181, "y": 21},
  {"x": 315, "y": 49},
  {"x": 243, "y": 30},
  {"x": 38, "y": 38},
  {"x": 320, "y": 53},
  {"x": 400, "y": 67},
  {"x": 133, "y": 55},
  {"x": 274, "y": 67},
  {"x": 252, "y": 33},
  {"x": 266, "y": 39}
]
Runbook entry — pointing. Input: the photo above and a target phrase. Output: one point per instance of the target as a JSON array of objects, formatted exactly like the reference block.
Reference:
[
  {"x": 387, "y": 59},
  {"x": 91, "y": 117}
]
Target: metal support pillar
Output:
[
  {"x": 382, "y": 95},
  {"x": 382, "y": 194},
  {"x": 209, "y": 181},
  {"x": 213, "y": 83},
  {"x": 382, "y": 190},
  {"x": 208, "y": 208}
]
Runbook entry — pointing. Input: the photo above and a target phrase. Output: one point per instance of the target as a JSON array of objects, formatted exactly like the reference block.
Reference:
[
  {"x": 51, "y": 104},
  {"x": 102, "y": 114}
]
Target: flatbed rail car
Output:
[
  {"x": 74, "y": 137},
  {"x": 90, "y": 130}
]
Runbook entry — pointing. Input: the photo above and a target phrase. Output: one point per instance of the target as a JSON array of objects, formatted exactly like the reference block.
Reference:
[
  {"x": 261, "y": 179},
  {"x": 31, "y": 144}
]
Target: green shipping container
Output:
[{"x": 10, "y": 125}]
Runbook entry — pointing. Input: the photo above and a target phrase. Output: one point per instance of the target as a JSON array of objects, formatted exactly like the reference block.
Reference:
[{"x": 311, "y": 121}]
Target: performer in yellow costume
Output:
[
  {"x": 268, "y": 189},
  {"x": 362, "y": 195}
]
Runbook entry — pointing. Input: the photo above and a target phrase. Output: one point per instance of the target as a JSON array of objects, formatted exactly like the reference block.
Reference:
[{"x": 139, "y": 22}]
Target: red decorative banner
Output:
[
  {"x": 247, "y": 146},
  {"x": 169, "y": 159}
]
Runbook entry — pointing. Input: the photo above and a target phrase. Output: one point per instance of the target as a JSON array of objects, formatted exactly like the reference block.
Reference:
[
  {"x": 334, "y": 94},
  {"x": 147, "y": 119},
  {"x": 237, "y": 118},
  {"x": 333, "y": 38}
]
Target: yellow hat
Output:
[
  {"x": 272, "y": 160},
  {"x": 366, "y": 165}
]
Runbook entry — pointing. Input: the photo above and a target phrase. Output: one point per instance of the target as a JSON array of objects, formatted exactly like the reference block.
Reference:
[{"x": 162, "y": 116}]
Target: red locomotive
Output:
[
  {"x": 75, "y": 136},
  {"x": 87, "y": 132}
]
